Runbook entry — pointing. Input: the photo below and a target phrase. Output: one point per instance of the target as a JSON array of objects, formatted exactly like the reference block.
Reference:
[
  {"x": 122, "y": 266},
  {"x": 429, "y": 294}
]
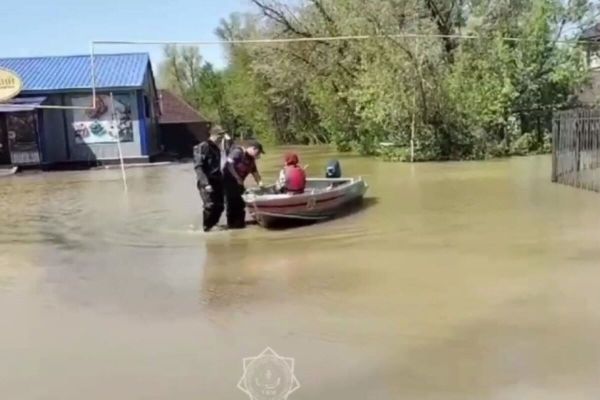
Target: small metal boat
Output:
[{"x": 321, "y": 199}]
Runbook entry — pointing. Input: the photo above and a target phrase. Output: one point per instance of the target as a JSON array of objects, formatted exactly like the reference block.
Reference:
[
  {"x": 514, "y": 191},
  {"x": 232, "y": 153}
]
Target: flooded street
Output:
[{"x": 474, "y": 280}]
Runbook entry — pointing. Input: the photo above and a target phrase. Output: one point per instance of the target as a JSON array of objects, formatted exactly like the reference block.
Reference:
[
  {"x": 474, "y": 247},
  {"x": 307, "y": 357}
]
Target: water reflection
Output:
[{"x": 453, "y": 281}]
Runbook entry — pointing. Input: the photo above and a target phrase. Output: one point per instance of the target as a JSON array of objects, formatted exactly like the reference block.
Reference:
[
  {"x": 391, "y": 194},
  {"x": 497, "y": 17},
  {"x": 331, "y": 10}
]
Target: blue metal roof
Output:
[{"x": 51, "y": 74}]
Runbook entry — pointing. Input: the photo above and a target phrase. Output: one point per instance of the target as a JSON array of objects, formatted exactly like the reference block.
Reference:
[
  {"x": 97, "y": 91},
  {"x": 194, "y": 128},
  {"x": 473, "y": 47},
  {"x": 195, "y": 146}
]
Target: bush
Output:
[
  {"x": 395, "y": 154},
  {"x": 526, "y": 144}
]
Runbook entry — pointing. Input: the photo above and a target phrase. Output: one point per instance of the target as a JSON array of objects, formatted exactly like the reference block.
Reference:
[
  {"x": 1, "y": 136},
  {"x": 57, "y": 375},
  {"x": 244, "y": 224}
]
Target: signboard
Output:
[
  {"x": 10, "y": 85},
  {"x": 101, "y": 125}
]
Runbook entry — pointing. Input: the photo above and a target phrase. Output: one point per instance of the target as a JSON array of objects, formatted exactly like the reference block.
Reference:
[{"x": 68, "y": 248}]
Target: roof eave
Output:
[
  {"x": 185, "y": 104},
  {"x": 87, "y": 90}
]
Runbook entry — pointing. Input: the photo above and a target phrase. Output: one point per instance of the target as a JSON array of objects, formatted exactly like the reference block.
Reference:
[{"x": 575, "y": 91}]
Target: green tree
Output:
[{"x": 457, "y": 98}]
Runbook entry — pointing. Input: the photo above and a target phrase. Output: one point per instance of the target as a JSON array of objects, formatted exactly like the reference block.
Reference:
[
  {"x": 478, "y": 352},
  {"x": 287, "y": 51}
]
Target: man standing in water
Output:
[
  {"x": 240, "y": 163},
  {"x": 209, "y": 178}
]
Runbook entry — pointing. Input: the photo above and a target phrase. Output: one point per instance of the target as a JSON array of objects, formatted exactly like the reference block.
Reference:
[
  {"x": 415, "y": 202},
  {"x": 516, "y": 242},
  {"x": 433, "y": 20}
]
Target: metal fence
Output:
[{"x": 576, "y": 148}]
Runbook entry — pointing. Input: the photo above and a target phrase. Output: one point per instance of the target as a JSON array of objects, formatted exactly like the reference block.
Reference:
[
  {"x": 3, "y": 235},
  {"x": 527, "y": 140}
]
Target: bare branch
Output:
[
  {"x": 319, "y": 5},
  {"x": 279, "y": 17}
]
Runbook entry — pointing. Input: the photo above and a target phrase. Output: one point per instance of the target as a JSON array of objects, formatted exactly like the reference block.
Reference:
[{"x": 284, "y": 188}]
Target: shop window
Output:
[
  {"x": 22, "y": 138},
  {"x": 22, "y": 128}
]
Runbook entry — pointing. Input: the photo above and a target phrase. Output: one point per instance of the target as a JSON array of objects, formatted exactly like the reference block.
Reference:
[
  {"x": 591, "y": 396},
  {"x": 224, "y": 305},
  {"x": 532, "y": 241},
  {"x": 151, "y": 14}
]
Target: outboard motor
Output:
[{"x": 333, "y": 169}]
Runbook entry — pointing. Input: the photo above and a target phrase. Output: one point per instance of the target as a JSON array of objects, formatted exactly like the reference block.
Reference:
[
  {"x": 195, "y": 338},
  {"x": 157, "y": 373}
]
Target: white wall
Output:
[{"x": 104, "y": 151}]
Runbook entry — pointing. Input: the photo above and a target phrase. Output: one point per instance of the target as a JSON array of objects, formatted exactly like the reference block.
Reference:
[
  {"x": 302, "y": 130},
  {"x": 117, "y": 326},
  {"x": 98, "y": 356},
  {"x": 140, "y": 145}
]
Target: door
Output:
[
  {"x": 4, "y": 150},
  {"x": 23, "y": 138}
]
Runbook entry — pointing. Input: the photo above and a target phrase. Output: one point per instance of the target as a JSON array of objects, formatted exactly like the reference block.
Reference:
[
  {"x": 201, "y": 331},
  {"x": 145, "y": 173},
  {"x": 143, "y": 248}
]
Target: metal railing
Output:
[{"x": 576, "y": 148}]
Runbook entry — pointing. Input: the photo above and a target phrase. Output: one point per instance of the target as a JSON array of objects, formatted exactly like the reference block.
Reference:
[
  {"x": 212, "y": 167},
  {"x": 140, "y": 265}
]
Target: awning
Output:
[{"x": 21, "y": 104}]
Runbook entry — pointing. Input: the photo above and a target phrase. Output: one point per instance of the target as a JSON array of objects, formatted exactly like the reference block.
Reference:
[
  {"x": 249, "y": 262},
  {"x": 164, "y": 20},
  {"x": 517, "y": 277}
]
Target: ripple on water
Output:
[{"x": 40, "y": 214}]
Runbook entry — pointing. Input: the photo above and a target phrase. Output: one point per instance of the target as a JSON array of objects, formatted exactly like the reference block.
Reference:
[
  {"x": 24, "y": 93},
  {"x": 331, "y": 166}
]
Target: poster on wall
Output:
[{"x": 100, "y": 125}]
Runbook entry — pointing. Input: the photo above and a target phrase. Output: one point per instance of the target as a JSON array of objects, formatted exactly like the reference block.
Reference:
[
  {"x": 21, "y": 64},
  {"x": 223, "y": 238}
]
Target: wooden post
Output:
[
  {"x": 577, "y": 144},
  {"x": 555, "y": 141},
  {"x": 414, "y": 116}
]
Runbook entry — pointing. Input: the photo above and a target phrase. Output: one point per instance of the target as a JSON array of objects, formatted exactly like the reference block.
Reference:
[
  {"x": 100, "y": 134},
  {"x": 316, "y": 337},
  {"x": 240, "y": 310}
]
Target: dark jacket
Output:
[
  {"x": 243, "y": 163},
  {"x": 207, "y": 163}
]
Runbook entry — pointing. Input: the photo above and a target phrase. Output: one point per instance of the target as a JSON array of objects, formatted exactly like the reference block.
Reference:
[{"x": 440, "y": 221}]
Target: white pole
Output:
[
  {"x": 116, "y": 128},
  {"x": 93, "y": 75}
]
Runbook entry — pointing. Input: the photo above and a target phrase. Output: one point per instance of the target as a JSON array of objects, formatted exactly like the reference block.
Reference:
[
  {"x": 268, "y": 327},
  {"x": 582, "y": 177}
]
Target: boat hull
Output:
[{"x": 322, "y": 199}]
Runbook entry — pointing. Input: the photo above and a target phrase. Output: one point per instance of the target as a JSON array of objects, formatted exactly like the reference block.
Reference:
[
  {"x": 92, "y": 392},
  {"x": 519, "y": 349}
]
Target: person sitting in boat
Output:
[{"x": 292, "y": 178}]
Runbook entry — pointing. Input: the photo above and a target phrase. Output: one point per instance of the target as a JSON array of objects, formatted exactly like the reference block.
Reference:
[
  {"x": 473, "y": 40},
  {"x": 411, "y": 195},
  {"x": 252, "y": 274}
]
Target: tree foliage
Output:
[{"x": 457, "y": 98}]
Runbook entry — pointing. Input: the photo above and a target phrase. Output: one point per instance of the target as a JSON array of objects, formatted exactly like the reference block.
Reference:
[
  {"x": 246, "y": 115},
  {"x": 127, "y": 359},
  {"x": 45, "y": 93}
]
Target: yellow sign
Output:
[{"x": 10, "y": 85}]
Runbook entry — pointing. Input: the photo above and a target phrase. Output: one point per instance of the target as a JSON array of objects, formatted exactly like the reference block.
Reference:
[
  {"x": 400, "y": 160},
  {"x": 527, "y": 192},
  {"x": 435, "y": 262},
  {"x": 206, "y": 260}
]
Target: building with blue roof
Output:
[{"x": 34, "y": 131}]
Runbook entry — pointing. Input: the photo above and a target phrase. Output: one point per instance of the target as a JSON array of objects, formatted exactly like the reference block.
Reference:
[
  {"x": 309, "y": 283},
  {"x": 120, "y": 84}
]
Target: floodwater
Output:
[{"x": 474, "y": 280}]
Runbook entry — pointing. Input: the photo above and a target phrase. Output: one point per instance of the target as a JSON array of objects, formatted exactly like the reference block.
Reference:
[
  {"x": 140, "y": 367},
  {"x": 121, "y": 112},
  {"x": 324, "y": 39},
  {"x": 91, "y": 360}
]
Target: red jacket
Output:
[{"x": 295, "y": 179}]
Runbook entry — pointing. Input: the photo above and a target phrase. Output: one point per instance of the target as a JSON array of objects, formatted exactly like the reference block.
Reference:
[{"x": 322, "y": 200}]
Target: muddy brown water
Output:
[{"x": 474, "y": 280}]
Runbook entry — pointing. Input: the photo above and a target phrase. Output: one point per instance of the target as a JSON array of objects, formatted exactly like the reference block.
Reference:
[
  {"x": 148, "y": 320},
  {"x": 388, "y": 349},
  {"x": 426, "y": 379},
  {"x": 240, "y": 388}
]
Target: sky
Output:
[{"x": 32, "y": 28}]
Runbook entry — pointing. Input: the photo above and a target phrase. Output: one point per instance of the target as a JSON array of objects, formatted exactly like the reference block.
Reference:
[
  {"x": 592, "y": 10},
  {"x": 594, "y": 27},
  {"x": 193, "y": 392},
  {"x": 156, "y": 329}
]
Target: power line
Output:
[
  {"x": 94, "y": 43},
  {"x": 336, "y": 38}
]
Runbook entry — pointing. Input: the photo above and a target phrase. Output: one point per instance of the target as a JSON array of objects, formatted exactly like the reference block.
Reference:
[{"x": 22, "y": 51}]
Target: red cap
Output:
[{"x": 291, "y": 158}]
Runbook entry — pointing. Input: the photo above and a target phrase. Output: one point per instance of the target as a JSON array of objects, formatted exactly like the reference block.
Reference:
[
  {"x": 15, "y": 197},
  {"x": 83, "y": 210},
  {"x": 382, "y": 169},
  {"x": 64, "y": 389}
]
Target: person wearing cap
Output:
[
  {"x": 241, "y": 162},
  {"x": 209, "y": 179},
  {"x": 292, "y": 178},
  {"x": 225, "y": 140}
]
